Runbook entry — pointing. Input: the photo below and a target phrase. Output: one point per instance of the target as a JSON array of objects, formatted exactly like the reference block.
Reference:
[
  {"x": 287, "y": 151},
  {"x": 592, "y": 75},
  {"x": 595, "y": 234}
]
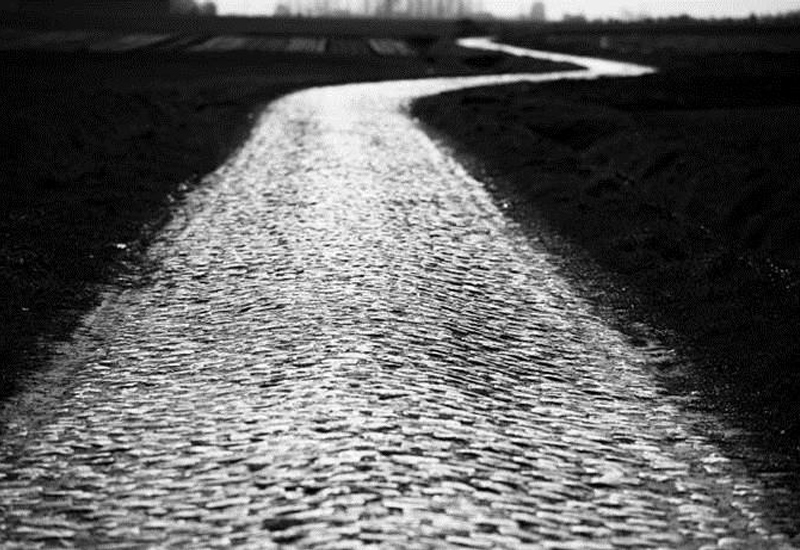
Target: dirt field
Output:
[
  {"x": 229, "y": 24},
  {"x": 96, "y": 146},
  {"x": 683, "y": 186}
]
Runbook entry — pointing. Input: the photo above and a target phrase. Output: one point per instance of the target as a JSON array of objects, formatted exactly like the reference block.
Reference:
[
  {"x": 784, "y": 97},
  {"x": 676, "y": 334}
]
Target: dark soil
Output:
[
  {"x": 95, "y": 148},
  {"x": 684, "y": 187}
]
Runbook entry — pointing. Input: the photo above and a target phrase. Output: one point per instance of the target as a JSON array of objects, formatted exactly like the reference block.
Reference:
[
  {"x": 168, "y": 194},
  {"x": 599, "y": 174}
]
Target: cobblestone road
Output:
[{"x": 345, "y": 343}]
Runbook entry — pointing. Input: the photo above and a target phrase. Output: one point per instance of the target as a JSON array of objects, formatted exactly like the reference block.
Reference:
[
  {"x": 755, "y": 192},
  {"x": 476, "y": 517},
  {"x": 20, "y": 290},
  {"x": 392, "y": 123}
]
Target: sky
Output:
[{"x": 591, "y": 8}]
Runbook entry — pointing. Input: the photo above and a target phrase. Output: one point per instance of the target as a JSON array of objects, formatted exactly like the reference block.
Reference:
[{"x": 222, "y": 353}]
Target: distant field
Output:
[
  {"x": 661, "y": 44},
  {"x": 275, "y": 26},
  {"x": 98, "y": 41}
]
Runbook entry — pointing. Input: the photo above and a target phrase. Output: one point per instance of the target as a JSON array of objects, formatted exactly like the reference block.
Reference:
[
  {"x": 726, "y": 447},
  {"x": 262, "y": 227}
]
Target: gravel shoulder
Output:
[{"x": 682, "y": 186}]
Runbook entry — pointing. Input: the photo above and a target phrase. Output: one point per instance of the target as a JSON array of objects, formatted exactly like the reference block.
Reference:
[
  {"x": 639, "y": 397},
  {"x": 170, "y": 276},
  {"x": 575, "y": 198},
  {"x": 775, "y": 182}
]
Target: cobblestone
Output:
[{"x": 343, "y": 343}]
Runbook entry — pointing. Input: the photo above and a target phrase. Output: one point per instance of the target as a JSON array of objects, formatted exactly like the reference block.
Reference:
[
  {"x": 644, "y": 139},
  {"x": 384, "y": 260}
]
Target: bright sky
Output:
[{"x": 592, "y": 8}]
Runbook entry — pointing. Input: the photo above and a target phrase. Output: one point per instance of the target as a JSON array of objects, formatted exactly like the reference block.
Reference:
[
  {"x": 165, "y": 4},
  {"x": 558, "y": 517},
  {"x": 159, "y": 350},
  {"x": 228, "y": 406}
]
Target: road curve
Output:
[{"x": 344, "y": 343}]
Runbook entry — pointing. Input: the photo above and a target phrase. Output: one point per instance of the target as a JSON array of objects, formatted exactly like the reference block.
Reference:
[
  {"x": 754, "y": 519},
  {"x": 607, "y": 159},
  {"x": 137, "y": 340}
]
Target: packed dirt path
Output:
[{"x": 343, "y": 342}]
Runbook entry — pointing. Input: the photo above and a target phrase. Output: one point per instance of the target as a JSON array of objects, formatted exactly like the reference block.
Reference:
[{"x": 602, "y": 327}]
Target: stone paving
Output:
[{"x": 343, "y": 343}]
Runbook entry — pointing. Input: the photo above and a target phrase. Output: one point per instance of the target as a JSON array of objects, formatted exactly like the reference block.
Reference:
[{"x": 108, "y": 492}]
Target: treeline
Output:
[
  {"x": 790, "y": 16},
  {"x": 193, "y": 7}
]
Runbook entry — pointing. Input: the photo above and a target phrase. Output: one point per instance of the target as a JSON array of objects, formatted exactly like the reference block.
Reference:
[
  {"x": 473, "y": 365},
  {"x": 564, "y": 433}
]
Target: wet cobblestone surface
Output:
[{"x": 345, "y": 343}]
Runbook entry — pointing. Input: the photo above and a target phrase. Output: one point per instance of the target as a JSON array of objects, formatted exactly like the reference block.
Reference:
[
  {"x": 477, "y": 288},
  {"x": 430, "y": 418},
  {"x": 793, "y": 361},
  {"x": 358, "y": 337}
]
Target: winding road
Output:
[{"x": 345, "y": 343}]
